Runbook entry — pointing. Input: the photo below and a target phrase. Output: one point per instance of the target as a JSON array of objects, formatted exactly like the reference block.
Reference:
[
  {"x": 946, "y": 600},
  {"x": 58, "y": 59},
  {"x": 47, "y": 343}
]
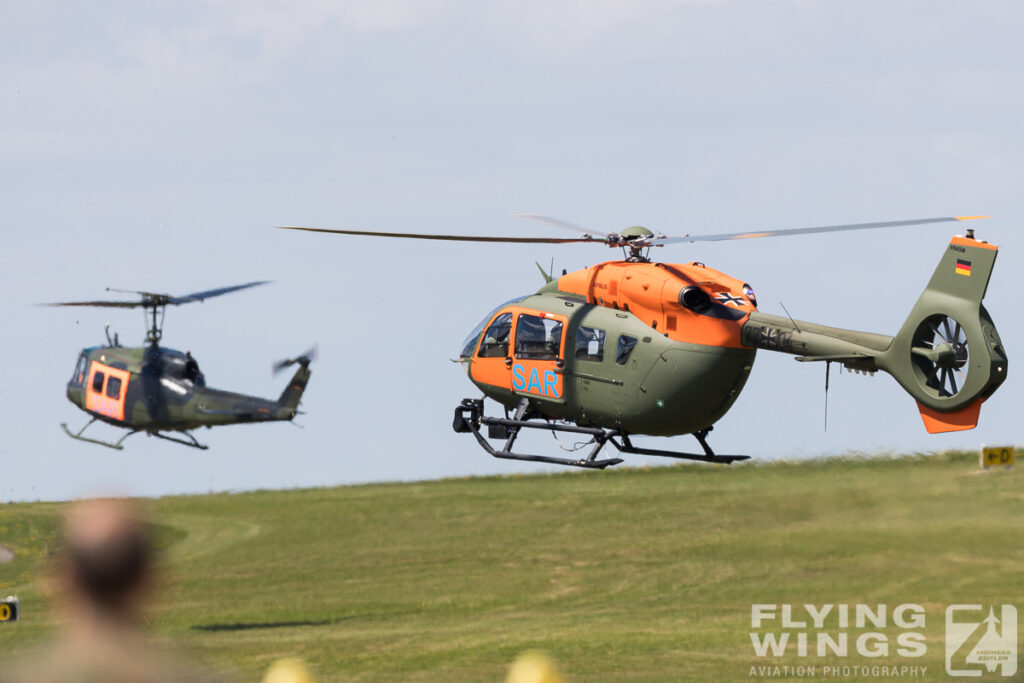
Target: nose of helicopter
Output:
[
  {"x": 75, "y": 390},
  {"x": 75, "y": 395}
]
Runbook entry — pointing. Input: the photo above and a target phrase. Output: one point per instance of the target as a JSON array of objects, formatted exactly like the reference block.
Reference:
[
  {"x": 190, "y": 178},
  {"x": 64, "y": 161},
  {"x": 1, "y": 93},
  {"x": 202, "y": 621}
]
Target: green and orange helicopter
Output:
[
  {"x": 635, "y": 347},
  {"x": 155, "y": 389}
]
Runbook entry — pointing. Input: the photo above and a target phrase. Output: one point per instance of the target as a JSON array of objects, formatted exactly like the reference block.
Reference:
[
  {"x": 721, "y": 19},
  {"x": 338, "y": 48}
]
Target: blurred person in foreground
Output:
[{"x": 102, "y": 579}]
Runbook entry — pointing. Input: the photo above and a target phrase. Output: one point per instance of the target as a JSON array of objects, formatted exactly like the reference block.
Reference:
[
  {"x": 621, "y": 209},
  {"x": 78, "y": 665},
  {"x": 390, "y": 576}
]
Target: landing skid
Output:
[
  {"x": 708, "y": 456},
  {"x": 192, "y": 442},
  {"x": 117, "y": 444},
  {"x": 469, "y": 416}
]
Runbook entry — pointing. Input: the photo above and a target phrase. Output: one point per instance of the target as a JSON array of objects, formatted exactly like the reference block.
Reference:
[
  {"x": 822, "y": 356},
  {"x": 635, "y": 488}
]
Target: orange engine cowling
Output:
[{"x": 688, "y": 303}]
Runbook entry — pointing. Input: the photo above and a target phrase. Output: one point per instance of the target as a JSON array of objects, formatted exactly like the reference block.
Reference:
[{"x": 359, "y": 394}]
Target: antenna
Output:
[
  {"x": 795, "y": 326},
  {"x": 828, "y": 365}
]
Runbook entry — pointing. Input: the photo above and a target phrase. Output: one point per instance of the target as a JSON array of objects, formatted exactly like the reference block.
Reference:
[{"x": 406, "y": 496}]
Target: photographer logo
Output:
[{"x": 979, "y": 642}]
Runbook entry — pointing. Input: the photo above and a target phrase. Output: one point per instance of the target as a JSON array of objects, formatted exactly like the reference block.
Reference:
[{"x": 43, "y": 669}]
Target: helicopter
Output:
[
  {"x": 155, "y": 389},
  {"x": 635, "y": 347}
]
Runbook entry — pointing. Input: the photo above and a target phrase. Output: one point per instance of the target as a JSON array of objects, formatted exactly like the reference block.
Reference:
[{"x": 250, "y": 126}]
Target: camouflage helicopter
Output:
[
  {"x": 633, "y": 347},
  {"x": 156, "y": 389}
]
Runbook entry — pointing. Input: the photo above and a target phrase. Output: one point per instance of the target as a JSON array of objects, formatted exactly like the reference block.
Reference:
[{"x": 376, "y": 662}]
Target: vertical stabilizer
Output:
[
  {"x": 292, "y": 394},
  {"x": 948, "y": 354}
]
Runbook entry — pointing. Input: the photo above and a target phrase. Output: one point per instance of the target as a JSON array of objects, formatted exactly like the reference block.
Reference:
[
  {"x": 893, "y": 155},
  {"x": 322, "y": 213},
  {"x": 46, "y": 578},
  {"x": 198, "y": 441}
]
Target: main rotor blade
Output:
[
  {"x": 135, "y": 291},
  {"x": 807, "y": 231},
  {"x": 103, "y": 304},
  {"x": 451, "y": 238},
  {"x": 559, "y": 223},
  {"x": 210, "y": 293},
  {"x": 153, "y": 299}
]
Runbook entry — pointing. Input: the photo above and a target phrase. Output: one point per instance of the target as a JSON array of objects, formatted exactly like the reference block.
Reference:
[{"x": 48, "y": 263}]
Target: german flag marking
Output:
[{"x": 963, "y": 267}]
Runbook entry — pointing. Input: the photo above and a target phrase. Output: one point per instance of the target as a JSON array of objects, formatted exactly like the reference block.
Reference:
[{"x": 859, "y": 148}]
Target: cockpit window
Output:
[
  {"x": 495, "y": 343},
  {"x": 79, "y": 376},
  {"x": 97, "y": 381},
  {"x": 624, "y": 348},
  {"x": 589, "y": 344},
  {"x": 538, "y": 338},
  {"x": 114, "y": 387},
  {"x": 471, "y": 341}
]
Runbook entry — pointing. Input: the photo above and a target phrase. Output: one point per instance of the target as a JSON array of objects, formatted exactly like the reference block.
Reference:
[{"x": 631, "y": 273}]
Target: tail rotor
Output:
[
  {"x": 303, "y": 359},
  {"x": 941, "y": 356}
]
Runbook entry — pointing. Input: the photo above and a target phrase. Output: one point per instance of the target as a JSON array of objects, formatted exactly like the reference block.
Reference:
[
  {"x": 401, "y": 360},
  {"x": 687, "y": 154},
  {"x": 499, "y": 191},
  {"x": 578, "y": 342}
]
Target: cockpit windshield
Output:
[
  {"x": 469, "y": 345},
  {"x": 79, "y": 376}
]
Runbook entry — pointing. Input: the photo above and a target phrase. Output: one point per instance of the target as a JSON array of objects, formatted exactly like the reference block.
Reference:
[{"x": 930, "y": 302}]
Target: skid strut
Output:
[{"x": 469, "y": 416}]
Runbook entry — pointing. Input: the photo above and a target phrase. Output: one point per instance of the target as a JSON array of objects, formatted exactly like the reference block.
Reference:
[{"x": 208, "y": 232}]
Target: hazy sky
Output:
[{"x": 154, "y": 146}]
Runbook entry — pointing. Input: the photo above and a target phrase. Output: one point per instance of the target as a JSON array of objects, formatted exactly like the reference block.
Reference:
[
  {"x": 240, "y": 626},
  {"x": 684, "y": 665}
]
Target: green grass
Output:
[{"x": 621, "y": 575}]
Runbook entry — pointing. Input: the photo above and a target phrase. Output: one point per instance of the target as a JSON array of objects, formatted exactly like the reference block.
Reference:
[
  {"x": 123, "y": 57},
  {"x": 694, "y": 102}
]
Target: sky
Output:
[{"x": 155, "y": 146}]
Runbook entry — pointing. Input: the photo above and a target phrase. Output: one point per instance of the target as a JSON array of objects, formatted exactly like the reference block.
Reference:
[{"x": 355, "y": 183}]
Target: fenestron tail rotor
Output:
[
  {"x": 941, "y": 353},
  {"x": 155, "y": 302}
]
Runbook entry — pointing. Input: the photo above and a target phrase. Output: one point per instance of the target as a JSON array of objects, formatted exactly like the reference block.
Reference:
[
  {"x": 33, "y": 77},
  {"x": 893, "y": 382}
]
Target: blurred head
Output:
[{"x": 107, "y": 556}]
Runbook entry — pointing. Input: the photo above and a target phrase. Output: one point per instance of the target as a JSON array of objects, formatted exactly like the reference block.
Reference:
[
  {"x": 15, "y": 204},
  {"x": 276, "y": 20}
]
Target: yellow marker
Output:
[
  {"x": 996, "y": 456},
  {"x": 288, "y": 670},
  {"x": 534, "y": 667},
  {"x": 970, "y": 218}
]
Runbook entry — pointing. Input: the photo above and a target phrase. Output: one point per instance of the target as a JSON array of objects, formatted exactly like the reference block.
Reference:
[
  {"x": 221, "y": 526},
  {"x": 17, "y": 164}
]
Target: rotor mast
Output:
[
  {"x": 154, "y": 329},
  {"x": 154, "y": 307}
]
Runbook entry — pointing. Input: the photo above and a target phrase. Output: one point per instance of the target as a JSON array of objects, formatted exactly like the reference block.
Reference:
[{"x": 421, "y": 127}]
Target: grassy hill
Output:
[{"x": 621, "y": 575}]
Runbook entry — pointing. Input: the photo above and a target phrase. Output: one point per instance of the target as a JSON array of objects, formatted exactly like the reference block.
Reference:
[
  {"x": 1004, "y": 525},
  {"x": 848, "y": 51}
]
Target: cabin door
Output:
[
  {"x": 105, "y": 390},
  {"x": 539, "y": 355},
  {"x": 492, "y": 363}
]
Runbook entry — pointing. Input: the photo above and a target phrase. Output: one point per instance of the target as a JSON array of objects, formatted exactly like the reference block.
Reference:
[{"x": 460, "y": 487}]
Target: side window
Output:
[
  {"x": 114, "y": 387},
  {"x": 589, "y": 344},
  {"x": 495, "y": 343},
  {"x": 624, "y": 348},
  {"x": 538, "y": 338},
  {"x": 97, "y": 382}
]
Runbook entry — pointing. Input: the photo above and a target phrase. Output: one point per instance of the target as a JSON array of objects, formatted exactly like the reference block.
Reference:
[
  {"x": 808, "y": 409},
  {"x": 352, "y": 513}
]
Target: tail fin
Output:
[
  {"x": 948, "y": 354},
  {"x": 293, "y": 392}
]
